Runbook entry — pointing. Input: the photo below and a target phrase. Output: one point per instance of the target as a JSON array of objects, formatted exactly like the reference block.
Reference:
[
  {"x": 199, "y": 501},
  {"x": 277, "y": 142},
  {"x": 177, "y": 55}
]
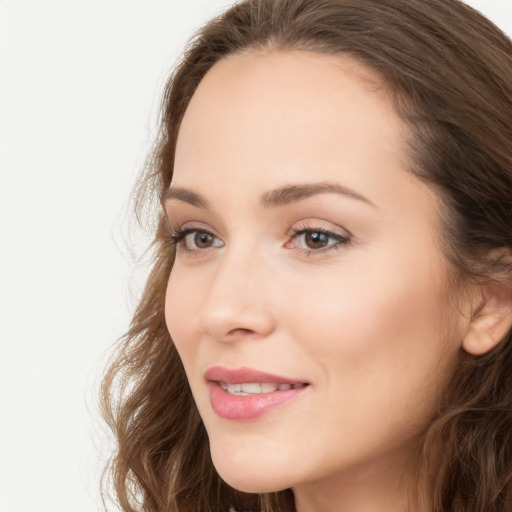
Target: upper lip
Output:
[{"x": 245, "y": 375}]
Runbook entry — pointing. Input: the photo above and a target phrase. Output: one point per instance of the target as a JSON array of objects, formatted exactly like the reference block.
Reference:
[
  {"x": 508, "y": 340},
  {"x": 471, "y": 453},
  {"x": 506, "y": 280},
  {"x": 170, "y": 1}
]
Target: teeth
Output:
[
  {"x": 252, "y": 388},
  {"x": 267, "y": 387},
  {"x": 256, "y": 388}
]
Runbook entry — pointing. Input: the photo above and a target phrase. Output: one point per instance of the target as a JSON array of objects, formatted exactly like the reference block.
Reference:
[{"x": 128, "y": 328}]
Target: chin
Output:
[
  {"x": 251, "y": 477},
  {"x": 252, "y": 485}
]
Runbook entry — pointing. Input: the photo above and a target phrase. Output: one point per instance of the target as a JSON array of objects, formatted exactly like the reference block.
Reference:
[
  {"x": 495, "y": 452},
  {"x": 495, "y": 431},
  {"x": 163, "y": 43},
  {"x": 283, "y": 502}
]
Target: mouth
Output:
[
  {"x": 245, "y": 394},
  {"x": 258, "y": 388}
]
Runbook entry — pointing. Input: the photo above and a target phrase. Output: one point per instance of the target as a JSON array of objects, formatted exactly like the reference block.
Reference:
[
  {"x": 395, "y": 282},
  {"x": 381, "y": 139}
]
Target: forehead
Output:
[
  {"x": 285, "y": 88},
  {"x": 261, "y": 119}
]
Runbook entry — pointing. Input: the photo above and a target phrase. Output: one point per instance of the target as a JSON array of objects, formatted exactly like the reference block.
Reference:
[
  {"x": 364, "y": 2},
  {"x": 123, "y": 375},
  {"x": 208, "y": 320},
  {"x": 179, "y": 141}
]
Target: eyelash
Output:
[
  {"x": 340, "y": 240},
  {"x": 178, "y": 239}
]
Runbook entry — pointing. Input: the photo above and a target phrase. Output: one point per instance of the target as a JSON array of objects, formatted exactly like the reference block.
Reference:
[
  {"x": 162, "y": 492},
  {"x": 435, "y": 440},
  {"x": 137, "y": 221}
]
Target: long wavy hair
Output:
[{"x": 449, "y": 71}]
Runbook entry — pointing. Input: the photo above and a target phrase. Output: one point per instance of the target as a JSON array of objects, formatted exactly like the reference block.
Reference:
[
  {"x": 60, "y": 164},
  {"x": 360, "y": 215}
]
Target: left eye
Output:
[{"x": 318, "y": 239}]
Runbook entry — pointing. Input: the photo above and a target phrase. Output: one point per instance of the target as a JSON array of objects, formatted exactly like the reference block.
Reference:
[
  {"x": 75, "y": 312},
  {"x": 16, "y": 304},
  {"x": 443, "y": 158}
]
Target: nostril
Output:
[
  {"x": 226, "y": 316},
  {"x": 240, "y": 331}
]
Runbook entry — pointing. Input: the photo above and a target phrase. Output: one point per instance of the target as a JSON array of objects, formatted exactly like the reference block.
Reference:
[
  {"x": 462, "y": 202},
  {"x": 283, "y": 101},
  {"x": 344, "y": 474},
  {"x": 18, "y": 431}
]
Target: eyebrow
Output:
[
  {"x": 279, "y": 197},
  {"x": 291, "y": 193},
  {"x": 186, "y": 195}
]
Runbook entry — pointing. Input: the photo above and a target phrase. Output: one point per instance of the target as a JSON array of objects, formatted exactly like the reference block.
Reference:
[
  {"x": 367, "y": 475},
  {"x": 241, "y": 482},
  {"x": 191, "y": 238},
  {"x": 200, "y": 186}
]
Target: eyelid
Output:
[
  {"x": 319, "y": 225},
  {"x": 191, "y": 226}
]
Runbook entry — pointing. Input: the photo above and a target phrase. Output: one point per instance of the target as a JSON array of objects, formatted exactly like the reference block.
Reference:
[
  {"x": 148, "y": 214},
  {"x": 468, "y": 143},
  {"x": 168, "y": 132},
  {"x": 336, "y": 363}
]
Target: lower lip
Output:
[{"x": 237, "y": 407}]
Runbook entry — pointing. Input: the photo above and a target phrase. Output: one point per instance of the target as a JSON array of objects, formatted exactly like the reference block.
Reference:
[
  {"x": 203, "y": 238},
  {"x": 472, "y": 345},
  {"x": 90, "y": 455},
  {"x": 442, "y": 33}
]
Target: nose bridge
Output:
[{"x": 237, "y": 302}]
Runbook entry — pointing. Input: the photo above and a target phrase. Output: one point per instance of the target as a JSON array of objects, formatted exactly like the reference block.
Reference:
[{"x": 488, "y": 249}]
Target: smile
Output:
[
  {"x": 257, "y": 388},
  {"x": 246, "y": 394}
]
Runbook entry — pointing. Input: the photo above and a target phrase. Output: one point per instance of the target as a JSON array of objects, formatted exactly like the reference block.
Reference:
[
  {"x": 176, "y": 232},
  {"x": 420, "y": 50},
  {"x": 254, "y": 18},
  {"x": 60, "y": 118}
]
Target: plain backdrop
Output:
[{"x": 80, "y": 84}]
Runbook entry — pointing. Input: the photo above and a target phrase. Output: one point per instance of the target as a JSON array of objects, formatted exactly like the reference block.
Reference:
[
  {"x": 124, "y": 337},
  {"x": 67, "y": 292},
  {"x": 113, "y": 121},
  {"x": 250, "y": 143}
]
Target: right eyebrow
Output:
[{"x": 186, "y": 195}]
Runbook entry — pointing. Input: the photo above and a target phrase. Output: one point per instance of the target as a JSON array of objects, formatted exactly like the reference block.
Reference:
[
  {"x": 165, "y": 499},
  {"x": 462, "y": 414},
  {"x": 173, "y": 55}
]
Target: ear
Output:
[{"x": 491, "y": 321}]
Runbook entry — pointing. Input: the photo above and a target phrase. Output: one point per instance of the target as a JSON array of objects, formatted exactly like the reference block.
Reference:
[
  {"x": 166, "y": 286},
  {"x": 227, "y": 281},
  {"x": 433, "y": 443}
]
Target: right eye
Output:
[{"x": 196, "y": 239}]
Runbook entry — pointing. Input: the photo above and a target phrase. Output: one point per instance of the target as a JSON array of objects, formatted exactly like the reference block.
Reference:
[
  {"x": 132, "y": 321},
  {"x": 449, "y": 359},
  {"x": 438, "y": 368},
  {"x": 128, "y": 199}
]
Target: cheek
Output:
[
  {"x": 181, "y": 301},
  {"x": 380, "y": 334}
]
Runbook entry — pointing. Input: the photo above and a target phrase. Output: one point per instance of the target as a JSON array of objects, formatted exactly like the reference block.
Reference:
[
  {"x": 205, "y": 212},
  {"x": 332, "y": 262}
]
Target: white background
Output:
[{"x": 80, "y": 83}]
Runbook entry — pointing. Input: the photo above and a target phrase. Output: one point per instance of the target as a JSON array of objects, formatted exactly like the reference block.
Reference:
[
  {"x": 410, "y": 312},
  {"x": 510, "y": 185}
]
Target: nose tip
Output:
[
  {"x": 238, "y": 301},
  {"x": 228, "y": 320}
]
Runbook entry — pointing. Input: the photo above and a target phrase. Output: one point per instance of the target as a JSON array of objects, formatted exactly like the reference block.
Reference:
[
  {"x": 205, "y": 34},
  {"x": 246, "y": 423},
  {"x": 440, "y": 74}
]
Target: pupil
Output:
[
  {"x": 202, "y": 240},
  {"x": 316, "y": 240}
]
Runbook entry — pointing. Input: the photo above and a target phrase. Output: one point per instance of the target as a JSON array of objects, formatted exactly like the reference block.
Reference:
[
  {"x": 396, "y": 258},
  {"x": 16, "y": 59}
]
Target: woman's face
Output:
[{"x": 309, "y": 279}]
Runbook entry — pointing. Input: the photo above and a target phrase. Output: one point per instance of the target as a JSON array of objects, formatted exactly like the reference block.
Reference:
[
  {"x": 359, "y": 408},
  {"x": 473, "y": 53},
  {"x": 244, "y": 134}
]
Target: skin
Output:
[{"x": 370, "y": 324}]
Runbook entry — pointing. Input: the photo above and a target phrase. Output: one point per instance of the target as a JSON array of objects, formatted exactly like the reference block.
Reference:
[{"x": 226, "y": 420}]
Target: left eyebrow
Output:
[
  {"x": 279, "y": 197},
  {"x": 292, "y": 193}
]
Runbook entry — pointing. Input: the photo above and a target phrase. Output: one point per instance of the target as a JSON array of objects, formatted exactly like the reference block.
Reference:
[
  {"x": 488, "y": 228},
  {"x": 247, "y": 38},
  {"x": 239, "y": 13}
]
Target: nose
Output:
[{"x": 238, "y": 301}]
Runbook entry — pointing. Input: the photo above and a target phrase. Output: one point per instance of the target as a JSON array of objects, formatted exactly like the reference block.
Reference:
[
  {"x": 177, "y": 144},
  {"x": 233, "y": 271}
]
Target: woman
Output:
[{"x": 327, "y": 324}]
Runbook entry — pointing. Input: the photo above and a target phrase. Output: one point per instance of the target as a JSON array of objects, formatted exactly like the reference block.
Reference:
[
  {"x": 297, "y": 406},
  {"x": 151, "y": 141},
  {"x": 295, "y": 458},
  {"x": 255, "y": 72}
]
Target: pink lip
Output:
[
  {"x": 245, "y": 375},
  {"x": 236, "y": 407}
]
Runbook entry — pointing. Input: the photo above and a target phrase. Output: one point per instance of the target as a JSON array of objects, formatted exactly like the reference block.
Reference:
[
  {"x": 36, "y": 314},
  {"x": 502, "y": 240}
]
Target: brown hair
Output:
[{"x": 449, "y": 70}]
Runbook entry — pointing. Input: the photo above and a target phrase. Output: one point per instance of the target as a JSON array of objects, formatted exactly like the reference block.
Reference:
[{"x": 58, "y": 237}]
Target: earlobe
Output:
[{"x": 491, "y": 322}]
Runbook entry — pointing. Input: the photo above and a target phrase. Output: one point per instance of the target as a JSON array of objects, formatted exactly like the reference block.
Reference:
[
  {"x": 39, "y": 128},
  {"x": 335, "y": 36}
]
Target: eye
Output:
[
  {"x": 317, "y": 239},
  {"x": 196, "y": 239}
]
